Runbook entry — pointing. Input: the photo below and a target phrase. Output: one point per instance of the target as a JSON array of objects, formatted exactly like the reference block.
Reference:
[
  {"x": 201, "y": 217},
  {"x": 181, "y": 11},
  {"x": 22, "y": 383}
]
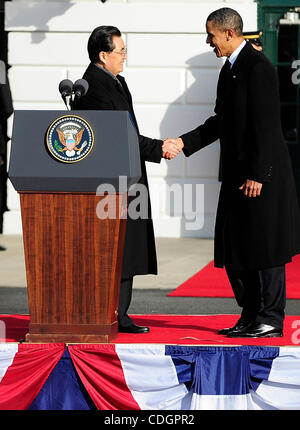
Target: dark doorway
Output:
[{"x": 281, "y": 42}]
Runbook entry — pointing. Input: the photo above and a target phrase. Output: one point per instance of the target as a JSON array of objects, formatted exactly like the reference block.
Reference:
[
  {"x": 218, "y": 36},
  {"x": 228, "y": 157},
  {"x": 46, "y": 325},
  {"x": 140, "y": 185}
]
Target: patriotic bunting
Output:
[{"x": 148, "y": 377}]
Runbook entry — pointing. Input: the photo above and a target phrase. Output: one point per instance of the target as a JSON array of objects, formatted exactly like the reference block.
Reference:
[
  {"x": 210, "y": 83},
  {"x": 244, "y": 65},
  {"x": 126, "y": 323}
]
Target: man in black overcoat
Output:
[
  {"x": 108, "y": 91},
  {"x": 257, "y": 227}
]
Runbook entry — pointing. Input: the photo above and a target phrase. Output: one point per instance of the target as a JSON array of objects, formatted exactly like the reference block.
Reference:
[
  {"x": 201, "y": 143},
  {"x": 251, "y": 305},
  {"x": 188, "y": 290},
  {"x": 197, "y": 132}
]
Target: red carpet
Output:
[
  {"x": 213, "y": 282},
  {"x": 176, "y": 330}
]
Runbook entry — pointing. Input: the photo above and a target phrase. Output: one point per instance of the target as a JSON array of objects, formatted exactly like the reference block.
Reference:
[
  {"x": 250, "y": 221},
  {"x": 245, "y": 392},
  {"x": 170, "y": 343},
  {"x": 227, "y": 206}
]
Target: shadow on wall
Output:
[
  {"x": 195, "y": 203},
  {"x": 31, "y": 13}
]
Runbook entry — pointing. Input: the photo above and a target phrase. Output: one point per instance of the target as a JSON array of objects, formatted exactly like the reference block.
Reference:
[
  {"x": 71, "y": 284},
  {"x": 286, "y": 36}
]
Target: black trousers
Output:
[
  {"x": 261, "y": 294},
  {"x": 124, "y": 302}
]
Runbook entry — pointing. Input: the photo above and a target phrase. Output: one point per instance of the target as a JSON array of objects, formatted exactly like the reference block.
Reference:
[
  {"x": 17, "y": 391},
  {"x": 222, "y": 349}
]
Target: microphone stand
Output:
[
  {"x": 67, "y": 100},
  {"x": 70, "y": 101}
]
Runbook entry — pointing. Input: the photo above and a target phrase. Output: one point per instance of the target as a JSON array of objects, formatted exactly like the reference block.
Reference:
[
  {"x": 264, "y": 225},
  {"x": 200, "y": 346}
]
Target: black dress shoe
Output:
[
  {"x": 2, "y": 248},
  {"x": 240, "y": 325},
  {"x": 133, "y": 328},
  {"x": 258, "y": 330}
]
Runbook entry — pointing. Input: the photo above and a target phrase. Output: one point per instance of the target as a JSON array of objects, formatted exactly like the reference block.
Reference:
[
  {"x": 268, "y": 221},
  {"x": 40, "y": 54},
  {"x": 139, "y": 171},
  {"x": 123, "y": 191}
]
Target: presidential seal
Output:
[{"x": 70, "y": 139}]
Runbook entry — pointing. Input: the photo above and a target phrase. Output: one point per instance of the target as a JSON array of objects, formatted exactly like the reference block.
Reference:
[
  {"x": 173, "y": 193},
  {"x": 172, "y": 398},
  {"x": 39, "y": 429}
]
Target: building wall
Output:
[{"x": 171, "y": 73}]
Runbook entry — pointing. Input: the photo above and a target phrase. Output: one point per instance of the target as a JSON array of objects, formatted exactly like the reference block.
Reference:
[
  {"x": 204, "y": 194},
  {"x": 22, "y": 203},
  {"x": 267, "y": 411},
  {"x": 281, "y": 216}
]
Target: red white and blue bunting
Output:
[{"x": 148, "y": 377}]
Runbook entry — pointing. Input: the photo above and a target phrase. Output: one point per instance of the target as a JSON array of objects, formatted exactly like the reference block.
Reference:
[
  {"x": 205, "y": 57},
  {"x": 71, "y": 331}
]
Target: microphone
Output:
[
  {"x": 80, "y": 88},
  {"x": 66, "y": 88}
]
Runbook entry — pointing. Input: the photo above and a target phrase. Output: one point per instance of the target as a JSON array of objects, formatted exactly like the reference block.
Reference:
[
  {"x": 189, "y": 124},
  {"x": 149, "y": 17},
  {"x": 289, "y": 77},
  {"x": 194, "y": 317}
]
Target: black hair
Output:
[
  {"x": 101, "y": 40},
  {"x": 226, "y": 18}
]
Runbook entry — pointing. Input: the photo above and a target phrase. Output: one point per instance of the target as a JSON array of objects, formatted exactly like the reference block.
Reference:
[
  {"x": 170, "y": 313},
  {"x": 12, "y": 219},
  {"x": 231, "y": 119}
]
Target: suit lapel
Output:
[
  {"x": 241, "y": 59},
  {"x": 227, "y": 80},
  {"x": 123, "y": 88},
  {"x": 121, "y": 91},
  {"x": 223, "y": 88},
  {"x": 126, "y": 93}
]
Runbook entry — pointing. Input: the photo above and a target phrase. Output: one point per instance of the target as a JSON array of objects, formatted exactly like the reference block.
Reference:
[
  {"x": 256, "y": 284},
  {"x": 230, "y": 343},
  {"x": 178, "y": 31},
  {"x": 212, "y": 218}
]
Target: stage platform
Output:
[
  {"x": 182, "y": 364},
  {"x": 175, "y": 330}
]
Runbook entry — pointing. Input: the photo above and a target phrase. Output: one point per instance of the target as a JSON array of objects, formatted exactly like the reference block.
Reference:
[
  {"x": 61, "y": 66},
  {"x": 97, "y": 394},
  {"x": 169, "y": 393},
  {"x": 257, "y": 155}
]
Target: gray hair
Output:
[{"x": 226, "y": 18}]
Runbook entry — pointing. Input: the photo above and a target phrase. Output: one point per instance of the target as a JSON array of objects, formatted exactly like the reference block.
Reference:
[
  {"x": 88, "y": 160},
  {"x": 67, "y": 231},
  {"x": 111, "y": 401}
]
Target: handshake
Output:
[{"x": 171, "y": 148}]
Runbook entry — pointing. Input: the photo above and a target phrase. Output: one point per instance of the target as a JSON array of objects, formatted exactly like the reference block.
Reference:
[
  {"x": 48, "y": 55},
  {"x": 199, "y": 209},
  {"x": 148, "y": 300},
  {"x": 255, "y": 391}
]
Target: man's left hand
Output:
[{"x": 251, "y": 188}]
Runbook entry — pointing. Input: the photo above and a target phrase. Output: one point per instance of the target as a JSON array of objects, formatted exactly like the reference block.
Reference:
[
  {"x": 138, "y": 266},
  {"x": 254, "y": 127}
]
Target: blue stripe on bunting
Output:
[
  {"x": 261, "y": 360},
  {"x": 224, "y": 370},
  {"x": 63, "y": 390}
]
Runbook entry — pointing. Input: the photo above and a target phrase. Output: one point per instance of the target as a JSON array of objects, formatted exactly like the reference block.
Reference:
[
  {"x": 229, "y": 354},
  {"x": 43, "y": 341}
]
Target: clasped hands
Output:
[{"x": 171, "y": 147}]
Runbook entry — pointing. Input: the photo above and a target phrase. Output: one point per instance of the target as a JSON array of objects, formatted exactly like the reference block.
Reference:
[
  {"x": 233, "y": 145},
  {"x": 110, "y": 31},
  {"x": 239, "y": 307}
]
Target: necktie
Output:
[
  {"x": 227, "y": 65},
  {"x": 121, "y": 89}
]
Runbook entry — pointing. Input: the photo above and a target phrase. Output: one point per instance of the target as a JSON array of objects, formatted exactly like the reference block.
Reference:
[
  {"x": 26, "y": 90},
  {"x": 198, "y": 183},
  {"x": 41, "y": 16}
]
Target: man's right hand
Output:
[{"x": 171, "y": 147}]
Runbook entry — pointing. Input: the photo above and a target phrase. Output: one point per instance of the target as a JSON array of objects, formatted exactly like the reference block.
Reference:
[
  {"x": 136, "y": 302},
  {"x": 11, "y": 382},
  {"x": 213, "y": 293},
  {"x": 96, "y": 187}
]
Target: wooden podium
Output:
[{"x": 73, "y": 258}]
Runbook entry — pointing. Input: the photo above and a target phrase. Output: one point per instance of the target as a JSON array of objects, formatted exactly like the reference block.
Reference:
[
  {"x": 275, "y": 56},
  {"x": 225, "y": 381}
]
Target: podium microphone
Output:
[
  {"x": 80, "y": 88},
  {"x": 66, "y": 89}
]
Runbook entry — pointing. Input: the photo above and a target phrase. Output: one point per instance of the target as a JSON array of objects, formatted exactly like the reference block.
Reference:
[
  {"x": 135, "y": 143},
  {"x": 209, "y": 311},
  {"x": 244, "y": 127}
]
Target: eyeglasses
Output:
[{"x": 123, "y": 52}]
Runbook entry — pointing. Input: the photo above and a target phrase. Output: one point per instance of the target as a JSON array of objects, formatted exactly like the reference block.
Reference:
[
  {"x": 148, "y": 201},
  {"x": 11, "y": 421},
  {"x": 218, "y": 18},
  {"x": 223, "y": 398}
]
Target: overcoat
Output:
[
  {"x": 105, "y": 93},
  {"x": 251, "y": 233}
]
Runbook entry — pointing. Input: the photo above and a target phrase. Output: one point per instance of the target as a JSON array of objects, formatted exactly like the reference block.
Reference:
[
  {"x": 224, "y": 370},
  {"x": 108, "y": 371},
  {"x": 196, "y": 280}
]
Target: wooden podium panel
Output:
[{"x": 73, "y": 266}]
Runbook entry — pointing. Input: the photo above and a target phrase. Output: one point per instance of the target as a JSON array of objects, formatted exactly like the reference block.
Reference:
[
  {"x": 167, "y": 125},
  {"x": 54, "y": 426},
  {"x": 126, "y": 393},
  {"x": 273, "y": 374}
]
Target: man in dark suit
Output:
[
  {"x": 108, "y": 91},
  {"x": 258, "y": 221}
]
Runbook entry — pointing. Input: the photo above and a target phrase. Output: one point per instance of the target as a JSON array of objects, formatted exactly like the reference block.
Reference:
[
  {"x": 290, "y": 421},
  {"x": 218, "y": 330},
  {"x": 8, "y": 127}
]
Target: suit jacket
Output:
[
  {"x": 260, "y": 232},
  {"x": 105, "y": 93}
]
